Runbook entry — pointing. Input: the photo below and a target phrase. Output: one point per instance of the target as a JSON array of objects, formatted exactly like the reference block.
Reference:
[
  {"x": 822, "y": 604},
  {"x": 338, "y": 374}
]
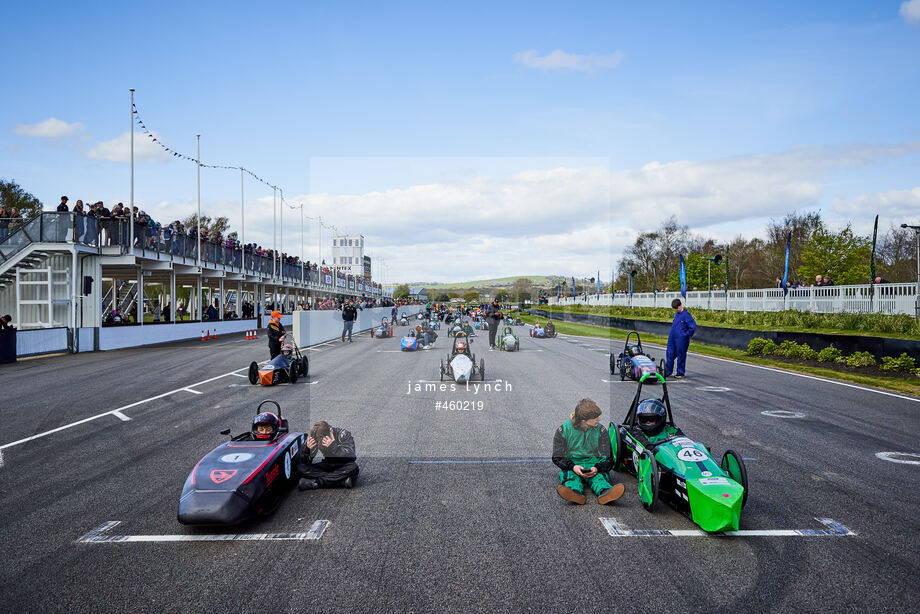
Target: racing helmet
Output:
[
  {"x": 634, "y": 350},
  {"x": 265, "y": 418},
  {"x": 287, "y": 350},
  {"x": 651, "y": 415}
]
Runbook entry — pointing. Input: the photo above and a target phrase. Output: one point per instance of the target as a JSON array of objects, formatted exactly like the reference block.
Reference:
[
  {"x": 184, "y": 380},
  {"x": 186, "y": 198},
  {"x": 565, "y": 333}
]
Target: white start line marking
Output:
[
  {"x": 98, "y": 535},
  {"x": 834, "y": 529},
  {"x": 240, "y": 375},
  {"x": 782, "y": 413},
  {"x": 713, "y": 388},
  {"x": 113, "y": 412},
  {"x": 192, "y": 391},
  {"x": 887, "y": 456}
]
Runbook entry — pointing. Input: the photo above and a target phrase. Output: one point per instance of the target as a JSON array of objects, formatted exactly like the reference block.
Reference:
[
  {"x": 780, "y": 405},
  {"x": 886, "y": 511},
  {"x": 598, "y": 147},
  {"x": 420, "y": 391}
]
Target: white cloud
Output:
[
  {"x": 910, "y": 11},
  {"x": 51, "y": 128},
  {"x": 891, "y": 203},
  {"x": 119, "y": 149},
  {"x": 561, "y": 60},
  {"x": 563, "y": 220}
]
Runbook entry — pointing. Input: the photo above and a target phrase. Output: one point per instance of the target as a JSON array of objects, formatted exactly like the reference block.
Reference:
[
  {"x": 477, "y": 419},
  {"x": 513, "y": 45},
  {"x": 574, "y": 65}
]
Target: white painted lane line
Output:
[
  {"x": 192, "y": 391},
  {"x": 888, "y": 456},
  {"x": 1, "y": 459},
  {"x": 782, "y": 413},
  {"x": 793, "y": 373},
  {"x": 112, "y": 411},
  {"x": 240, "y": 375},
  {"x": 389, "y": 351},
  {"x": 835, "y": 529},
  {"x": 121, "y": 416},
  {"x": 97, "y": 535}
]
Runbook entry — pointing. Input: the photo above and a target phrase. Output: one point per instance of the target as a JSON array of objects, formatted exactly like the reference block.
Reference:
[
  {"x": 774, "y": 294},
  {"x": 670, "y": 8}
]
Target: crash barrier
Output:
[
  {"x": 7, "y": 345},
  {"x": 312, "y": 327},
  {"x": 867, "y": 298},
  {"x": 37, "y": 341},
  {"x": 117, "y": 337},
  {"x": 739, "y": 338}
]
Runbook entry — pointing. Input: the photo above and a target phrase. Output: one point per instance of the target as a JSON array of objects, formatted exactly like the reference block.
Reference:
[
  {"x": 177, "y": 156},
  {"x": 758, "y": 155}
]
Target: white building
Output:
[{"x": 348, "y": 254}]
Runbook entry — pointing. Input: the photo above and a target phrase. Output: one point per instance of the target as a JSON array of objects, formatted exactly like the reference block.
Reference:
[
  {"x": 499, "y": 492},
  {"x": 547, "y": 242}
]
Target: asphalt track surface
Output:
[{"x": 475, "y": 535}]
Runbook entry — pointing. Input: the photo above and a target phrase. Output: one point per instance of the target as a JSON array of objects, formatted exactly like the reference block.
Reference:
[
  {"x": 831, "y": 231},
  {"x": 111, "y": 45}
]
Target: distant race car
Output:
[
  {"x": 676, "y": 469},
  {"x": 384, "y": 330},
  {"x": 287, "y": 366},
  {"x": 409, "y": 343},
  {"x": 244, "y": 477},
  {"x": 518, "y": 321},
  {"x": 434, "y": 324},
  {"x": 404, "y": 320},
  {"x": 537, "y": 331},
  {"x": 460, "y": 365},
  {"x": 633, "y": 362},
  {"x": 507, "y": 340}
]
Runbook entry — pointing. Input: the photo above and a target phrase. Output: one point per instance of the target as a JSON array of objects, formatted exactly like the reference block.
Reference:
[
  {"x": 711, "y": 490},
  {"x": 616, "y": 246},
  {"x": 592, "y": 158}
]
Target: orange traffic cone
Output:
[
  {"x": 202, "y": 336},
  {"x": 214, "y": 336}
]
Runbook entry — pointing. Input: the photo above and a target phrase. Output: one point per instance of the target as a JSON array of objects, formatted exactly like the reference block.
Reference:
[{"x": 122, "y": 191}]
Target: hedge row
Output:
[
  {"x": 875, "y": 323},
  {"x": 790, "y": 349}
]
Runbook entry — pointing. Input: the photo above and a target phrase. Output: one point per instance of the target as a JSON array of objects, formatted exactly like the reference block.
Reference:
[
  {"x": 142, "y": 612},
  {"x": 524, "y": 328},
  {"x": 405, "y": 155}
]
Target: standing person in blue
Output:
[{"x": 682, "y": 329}]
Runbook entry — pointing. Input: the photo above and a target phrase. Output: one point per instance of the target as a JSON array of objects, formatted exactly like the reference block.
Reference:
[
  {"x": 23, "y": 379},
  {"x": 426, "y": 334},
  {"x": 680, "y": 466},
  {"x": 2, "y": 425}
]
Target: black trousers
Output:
[
  {"x": 274, "y": 348},
  {"x": 493, "y": 328},
  {"x": 328, "y": 473}
]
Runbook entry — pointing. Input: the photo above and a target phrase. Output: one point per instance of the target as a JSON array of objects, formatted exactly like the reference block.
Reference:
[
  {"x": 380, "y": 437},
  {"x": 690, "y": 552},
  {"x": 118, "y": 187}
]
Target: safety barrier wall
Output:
[
  {"x": 880, "y": 298},
  {"x": 738, "y": 338},
  {"x": 312, "y": 327},
  {"x": 41, "y": 341},
  {"x": 117, "y": 337}
]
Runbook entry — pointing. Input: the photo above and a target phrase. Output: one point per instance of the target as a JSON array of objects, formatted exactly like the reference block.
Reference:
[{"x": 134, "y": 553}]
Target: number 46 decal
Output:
[{"x": 691, "y": 455}]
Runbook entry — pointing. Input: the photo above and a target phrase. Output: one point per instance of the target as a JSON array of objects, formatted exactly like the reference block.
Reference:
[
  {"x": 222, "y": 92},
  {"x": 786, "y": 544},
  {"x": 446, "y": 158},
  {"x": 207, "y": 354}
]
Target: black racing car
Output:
[{"x": 243, "y": 477}]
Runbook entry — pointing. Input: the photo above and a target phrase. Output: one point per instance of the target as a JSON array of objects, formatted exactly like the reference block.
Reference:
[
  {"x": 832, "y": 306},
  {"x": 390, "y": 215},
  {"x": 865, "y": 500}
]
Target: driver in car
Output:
[{"x": 581, "y": 450}]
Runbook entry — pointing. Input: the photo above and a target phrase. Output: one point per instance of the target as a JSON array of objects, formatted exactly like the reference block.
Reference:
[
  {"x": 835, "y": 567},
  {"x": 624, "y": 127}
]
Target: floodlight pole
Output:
[{"x": 131, "y": 191}]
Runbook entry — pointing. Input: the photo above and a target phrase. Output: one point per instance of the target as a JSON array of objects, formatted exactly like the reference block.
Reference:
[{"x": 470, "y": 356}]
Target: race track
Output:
[{"x": 454, "y": 510}]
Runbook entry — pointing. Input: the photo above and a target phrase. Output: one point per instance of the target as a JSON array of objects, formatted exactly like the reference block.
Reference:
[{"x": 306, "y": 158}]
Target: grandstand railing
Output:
[
  {"x": 899, "y": 298},
  {"x": 161, "y": 243}
]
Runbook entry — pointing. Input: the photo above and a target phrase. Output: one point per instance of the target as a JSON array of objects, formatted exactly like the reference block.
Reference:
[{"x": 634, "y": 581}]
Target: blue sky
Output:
[{"x": 451, "y": 117}]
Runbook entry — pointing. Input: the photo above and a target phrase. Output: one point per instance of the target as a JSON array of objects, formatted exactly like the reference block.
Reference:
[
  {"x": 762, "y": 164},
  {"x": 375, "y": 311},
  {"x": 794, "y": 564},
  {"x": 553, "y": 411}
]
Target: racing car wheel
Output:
[
  {"x": 613, "y": 364},
  {"x": 304, "y": 366},
  {"x": 442, "y": 371},
  {"x": 733, "y": 465},
  {"x": 616, "y": 447},
  {"x": 647, "y": 472},
  {"x": 482, "y": 369},
  {"x": 293, "y": 370},
  {"x": 253, "y": 373}
]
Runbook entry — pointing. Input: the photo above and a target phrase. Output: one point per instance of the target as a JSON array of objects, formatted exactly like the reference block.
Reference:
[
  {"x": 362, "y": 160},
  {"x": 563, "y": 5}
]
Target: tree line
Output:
[{"x": 815, "y": 249}]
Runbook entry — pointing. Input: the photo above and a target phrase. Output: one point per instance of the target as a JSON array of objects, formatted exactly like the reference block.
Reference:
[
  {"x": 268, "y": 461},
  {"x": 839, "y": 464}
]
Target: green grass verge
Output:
[
  {"x": 907, "y": 384},
  {"x": 862, "y": 324}
]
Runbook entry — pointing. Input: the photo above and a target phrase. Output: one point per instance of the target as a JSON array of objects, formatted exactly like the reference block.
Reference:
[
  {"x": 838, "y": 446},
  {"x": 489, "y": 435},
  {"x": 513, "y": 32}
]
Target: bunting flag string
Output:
[{"x": 182, "y": 156}]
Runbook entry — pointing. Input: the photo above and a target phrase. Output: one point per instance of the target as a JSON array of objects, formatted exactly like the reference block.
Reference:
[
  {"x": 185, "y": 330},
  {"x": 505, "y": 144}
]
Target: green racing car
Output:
[{"x": 672, "y": 467}]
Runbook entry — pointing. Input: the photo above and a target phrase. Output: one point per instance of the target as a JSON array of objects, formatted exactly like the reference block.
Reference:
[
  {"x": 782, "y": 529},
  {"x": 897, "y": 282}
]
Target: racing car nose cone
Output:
[{"x": 212, "y": 508}]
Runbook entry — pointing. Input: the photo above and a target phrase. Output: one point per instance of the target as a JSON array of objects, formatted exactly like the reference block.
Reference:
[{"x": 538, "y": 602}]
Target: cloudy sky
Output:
[{"x": 470, "y": 140}]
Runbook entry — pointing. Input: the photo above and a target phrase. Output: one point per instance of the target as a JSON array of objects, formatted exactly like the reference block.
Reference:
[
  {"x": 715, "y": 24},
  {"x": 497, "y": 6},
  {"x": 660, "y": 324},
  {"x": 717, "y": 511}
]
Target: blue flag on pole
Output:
[
  {"x": 630, "y": 286},
  {"x": 598, "y": 284},
  {"x": 683, "y": 277},
  {"x": 558, "y": 291},
  {"x": 785, "y": 284},
  {"x": 573, "y": 286}
]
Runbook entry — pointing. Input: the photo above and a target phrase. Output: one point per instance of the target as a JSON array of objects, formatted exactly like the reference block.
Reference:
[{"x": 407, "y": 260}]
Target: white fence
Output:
[{"x": 887, "y": 298}]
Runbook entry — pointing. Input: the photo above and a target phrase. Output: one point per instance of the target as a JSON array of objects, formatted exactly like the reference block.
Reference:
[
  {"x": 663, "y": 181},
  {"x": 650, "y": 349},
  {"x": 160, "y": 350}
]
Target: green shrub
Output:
[
  {"x": 866, "y": 323},
  {"x": 901, "y": 364},
  {"x": 805, "y": 352},
  {"x": 829, "y": 354},
  {"x": 860, "y": 359},
  {"x": 770, "y": 348},
  {"x": 756, "y": 345},
  {"x": 787, "y": 348}
]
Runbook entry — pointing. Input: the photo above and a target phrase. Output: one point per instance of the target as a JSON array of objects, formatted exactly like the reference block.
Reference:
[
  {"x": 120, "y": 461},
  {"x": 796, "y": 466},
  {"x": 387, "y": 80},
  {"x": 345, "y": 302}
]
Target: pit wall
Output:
[{"x": 312, "y": 327}]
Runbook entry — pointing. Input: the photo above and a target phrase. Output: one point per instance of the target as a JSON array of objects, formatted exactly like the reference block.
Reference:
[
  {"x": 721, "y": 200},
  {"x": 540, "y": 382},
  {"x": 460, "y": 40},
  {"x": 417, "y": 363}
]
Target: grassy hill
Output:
[{"x": 499, "y": 282}]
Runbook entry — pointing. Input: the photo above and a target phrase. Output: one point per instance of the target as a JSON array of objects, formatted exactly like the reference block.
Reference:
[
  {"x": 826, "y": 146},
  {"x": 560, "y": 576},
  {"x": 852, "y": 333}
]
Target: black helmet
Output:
[
  {"x": 651, "y": 415},
  {"x": 265, "y": 418},
  {"x": 635, "y": 350}
]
